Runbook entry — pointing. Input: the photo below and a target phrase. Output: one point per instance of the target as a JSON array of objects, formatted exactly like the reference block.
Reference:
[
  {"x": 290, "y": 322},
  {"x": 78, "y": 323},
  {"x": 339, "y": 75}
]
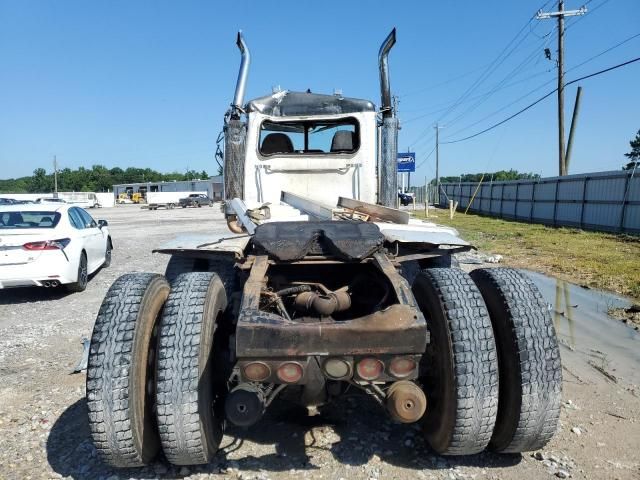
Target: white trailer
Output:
[{"x": 166, "y": 200}]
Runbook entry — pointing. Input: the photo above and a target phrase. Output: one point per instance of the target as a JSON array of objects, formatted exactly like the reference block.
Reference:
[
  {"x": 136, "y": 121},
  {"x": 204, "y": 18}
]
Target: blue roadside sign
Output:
[{"x": 406, "y": 162}]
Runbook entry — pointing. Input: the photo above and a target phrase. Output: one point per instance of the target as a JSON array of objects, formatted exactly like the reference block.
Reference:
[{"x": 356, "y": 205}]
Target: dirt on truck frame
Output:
[{"x": 321, "y": 286}]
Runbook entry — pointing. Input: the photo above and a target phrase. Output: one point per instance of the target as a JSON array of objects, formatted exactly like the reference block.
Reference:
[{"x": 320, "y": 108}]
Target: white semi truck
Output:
[{"x": 322, "y": 286}]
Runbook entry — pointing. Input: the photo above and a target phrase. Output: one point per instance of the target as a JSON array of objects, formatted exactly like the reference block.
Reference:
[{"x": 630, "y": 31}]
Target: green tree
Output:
[
  {"x": 97, "y": 179},
  {"x": 634, "y": 154},
  {"x": 40, "y": 181},
  {"x": 499, "y": 176}
]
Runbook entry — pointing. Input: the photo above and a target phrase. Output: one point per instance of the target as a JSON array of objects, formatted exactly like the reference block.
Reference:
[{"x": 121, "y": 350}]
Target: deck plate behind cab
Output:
[{"x": 289, "y": 241}]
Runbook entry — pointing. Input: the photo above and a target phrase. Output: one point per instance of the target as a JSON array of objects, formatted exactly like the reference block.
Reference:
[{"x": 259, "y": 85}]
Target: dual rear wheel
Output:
[
  {"x": 151, "y": 378},
  {"x": 491, "y": 371}
]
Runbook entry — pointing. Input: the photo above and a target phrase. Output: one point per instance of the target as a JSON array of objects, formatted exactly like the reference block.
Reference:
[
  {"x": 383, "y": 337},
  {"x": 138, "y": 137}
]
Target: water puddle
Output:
[{"x": 583, "y": 325}]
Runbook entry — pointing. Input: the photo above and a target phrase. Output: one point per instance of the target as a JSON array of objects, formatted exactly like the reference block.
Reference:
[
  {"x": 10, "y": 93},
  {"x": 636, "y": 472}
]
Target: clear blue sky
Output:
[{"x": 146, "y": 83}]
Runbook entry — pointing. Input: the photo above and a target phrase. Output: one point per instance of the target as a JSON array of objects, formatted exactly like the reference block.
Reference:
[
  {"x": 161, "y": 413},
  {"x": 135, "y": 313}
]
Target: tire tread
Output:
[
  {"x": 474, "y": 359},
  {"x": 180, "y": 423},
  {"x": 537, "y": 352},
  {"x": 109, "y": 370}
]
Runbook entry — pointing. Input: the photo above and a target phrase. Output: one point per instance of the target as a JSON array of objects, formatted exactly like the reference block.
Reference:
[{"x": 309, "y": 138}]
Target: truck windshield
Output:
[{"x": 311, "y": 137}]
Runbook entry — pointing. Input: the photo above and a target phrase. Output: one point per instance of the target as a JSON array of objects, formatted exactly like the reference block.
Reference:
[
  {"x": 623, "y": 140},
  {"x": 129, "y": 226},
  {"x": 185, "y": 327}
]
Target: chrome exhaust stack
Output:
[
  {"x": 235, "y": 137},
  {"x": 383, "y": 66},
  {"x": 388, "y": 168},
  {"x": 241, "y": 84}
]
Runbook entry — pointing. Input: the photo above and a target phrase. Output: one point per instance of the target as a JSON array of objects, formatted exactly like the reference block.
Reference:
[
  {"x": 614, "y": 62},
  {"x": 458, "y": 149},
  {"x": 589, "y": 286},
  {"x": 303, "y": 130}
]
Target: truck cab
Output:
[{"x": 313, "y": 145}]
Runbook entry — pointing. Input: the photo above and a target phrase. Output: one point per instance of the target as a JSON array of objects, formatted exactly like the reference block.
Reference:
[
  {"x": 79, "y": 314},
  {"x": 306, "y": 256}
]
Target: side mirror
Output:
[{"x": 102, "y": 223}]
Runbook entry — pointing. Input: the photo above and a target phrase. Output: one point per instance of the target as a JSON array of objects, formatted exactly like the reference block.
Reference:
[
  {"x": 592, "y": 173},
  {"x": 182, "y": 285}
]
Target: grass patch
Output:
[{"x": 599, "y": 260}]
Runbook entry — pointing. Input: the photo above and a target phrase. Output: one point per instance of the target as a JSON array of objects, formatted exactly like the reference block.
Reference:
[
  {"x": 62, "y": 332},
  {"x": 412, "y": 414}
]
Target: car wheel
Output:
[
  {"x": 107, "y": 254},
  {"x": 80, "y": 284}
]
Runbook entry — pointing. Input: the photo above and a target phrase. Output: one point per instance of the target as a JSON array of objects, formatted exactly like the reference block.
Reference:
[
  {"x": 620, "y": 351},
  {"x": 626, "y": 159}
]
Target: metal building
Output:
[{"x": 213, "y": 187}]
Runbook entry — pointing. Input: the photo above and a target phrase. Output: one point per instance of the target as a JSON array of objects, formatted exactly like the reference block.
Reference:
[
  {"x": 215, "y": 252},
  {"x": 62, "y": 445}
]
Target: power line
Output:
[
  {"x": 500, "y": 84},
  {"x": 499, "y": 60},
  {"x": 445, "y": 82},
  {"x": 424, "y": 160},
  {"x": 502, "y": 56},
  {"x": 605, "y": 51},
  {"x": 546, "y": 83},
  {"x": 541, "y": 99},
  {"x": 447, "y": 104}
]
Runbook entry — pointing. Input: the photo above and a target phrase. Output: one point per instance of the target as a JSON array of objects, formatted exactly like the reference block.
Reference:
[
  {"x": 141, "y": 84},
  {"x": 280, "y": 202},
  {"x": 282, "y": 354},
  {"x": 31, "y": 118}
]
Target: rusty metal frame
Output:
[{"x": 397, "y": 329}]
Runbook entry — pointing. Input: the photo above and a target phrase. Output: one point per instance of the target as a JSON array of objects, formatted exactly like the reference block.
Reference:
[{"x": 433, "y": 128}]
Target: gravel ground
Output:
[{"x": 44, "y": 432}]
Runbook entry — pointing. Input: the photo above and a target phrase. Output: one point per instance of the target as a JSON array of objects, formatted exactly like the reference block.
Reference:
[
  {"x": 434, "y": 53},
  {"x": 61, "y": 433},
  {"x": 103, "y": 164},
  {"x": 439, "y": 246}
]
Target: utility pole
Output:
[
  {"x": 409, "y": 176},
  {"x": 560, "y": 14},
  {"x": 55, "y": 176},
  {"x": 436, "y": 198},
  {"x": 572, "y": 128}
]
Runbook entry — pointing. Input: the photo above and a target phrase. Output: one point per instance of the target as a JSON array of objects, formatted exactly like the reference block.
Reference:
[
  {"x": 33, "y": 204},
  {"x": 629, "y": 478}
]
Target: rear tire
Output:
[
  {"x": 80, "y": 285},
  {"x": 121, "y": 370},
  {"x": 528, "y": 358},
  {"x": 459, "y": 370},
  {"x": 190, "y": 413},
  {"x": 107, "y": 254}
]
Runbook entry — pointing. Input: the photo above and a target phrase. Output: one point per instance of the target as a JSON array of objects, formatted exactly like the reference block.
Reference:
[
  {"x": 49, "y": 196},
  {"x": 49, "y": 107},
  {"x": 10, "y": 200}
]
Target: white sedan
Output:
[{"x": 48, "y": 245}]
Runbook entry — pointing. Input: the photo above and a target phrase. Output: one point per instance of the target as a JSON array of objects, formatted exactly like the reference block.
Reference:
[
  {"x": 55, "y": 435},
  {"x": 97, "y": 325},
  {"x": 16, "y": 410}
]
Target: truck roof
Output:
[{"x": 285, "y": 104}]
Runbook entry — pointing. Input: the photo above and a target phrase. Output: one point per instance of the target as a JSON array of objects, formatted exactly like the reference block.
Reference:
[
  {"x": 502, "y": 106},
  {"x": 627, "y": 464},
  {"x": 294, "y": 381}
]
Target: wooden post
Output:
[{"x": 474, "y": 194}]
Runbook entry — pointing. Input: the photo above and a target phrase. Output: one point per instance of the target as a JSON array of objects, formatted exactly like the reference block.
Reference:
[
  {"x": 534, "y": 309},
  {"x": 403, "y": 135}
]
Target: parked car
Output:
[
  {"x": 51, "y": 245},
  {"x": 50, "y": 200},
  {"x": 405, "y": 198},
  {"x": 196, "y": 200}
]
